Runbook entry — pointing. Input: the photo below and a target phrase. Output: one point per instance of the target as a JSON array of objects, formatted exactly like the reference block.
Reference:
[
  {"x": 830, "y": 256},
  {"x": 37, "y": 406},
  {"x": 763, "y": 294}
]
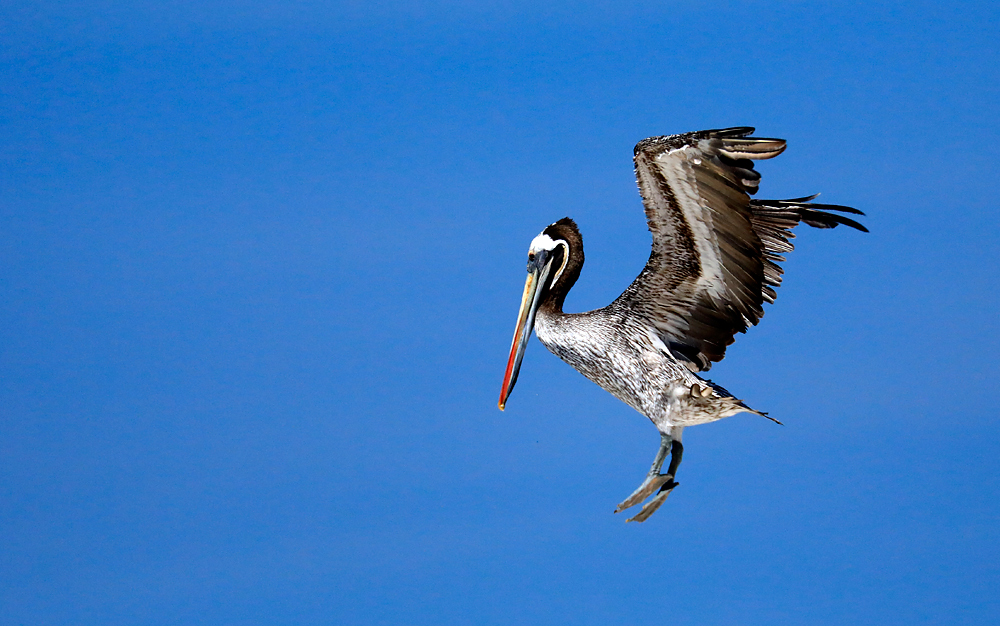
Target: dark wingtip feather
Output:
[
  {"x": 837, "y": 207},
  {"x": 735, "y": 131},
  {"x": 820, "y": 219},
  {"x": 795, "y": 202},
  {"x": 849, "y": 222}
]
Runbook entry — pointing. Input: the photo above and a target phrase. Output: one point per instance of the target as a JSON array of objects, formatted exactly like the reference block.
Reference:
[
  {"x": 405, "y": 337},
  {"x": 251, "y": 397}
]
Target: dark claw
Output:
[{"x": 669, "y": 486}]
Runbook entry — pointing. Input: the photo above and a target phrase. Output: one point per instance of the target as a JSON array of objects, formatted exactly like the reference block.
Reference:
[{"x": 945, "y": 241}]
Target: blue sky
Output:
[{"x": 260, "y": 268}]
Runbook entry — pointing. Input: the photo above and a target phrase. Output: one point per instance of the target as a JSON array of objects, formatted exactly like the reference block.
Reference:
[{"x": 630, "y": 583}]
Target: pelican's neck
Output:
[{"x": 565, "y": 230}]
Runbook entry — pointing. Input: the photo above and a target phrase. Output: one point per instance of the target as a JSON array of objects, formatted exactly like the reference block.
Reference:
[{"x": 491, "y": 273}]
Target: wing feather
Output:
[{"x": 715, "y": 253}]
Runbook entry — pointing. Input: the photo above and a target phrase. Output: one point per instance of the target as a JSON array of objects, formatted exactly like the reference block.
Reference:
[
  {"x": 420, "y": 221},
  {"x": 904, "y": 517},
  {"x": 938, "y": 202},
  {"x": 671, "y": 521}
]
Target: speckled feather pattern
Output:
[{"x": 619, "y": 352}]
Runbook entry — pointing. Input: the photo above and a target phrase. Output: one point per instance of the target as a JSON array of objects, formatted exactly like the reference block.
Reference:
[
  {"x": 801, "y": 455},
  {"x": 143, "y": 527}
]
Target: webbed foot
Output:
[
  {"x": 655, "y": 482},
  {"x": 650, "y": 507},
  {"x": 646, "y": 489}
]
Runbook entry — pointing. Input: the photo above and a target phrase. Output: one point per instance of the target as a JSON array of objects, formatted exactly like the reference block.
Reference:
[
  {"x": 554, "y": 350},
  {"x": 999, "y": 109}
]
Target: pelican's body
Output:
[
  {"x": 712, "y": 266},
  {"x": 615, "y": 350}
]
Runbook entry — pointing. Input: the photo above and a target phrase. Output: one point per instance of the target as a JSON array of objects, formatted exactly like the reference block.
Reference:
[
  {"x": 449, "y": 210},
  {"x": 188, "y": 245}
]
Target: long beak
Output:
[{"x": 522, "y": 332}]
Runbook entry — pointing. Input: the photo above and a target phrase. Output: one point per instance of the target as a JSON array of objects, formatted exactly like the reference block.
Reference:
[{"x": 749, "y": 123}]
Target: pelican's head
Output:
[{"x": 550, "y": 275}]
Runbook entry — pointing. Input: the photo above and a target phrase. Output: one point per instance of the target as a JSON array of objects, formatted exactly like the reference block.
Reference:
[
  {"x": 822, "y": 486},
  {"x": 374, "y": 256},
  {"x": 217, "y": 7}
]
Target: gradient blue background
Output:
[{"x": 260, "y": 267}]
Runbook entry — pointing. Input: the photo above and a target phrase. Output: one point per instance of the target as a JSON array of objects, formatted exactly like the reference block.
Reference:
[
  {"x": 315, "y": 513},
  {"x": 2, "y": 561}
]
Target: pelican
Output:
[{"x": 714, "y": 262}]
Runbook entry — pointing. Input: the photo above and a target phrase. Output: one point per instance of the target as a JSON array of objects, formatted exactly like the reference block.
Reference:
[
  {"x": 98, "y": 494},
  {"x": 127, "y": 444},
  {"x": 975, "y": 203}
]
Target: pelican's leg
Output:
[
  {"x": 676, "y": 452},
  {"x": 655, "y": 480}
]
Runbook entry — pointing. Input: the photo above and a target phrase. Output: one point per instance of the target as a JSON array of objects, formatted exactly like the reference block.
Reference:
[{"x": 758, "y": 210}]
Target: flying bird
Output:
[{"x": 713, "y": 264}]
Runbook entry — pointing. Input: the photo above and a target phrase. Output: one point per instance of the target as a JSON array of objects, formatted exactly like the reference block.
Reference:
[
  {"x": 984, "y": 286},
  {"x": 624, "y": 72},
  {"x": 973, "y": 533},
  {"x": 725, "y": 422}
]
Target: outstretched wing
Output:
[{"x": 715, "y": 251}]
